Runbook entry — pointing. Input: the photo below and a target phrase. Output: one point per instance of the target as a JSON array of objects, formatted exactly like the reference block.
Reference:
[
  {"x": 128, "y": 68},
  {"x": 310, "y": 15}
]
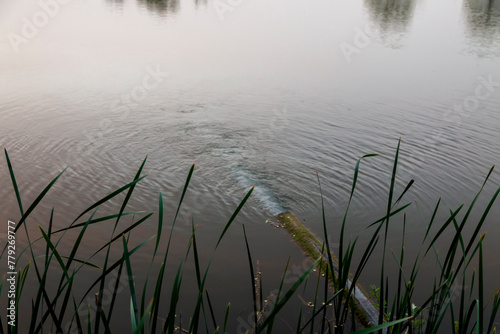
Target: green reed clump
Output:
[{"x": 57, "y": 308}]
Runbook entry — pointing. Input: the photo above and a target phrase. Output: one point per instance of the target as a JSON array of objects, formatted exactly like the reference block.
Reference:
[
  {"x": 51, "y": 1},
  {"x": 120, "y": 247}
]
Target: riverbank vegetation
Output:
[{"x": 57, "y": 303}]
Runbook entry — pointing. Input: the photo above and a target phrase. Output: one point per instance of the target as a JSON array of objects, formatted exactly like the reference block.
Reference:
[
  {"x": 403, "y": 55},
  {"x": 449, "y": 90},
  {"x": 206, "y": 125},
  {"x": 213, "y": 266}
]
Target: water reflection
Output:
[
  {"x": 161, "y": 7},
  {"x": 116, "y": 5},
  {"x": 198, "y": 3},
  {"x": 482, "y": 22},
  {"x": 156, "y": 7},
  {"x": 391, "y": 18}
]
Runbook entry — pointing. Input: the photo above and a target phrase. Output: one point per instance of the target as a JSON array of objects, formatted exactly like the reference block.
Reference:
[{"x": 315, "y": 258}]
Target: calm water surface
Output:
[{"x": 263, "y": 93}]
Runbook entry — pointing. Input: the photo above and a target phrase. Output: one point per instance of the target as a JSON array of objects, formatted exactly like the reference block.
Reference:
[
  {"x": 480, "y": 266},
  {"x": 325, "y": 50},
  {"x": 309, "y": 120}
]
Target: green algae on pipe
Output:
[{"x": 364, "y": 309}]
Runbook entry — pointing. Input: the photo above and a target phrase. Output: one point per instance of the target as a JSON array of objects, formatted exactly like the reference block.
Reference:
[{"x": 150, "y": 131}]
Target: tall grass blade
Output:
[
  {"x": 125, "y": 231},
  {"x": 69, "y": 291},
  {"x": 122, "y": 209},
  {"x": 115, "y": 291},
  {"x": 480, "y": 307},
  {"x": 159, "y": 283},
  {"x": 282, "y": 302},
  {"x": 170, "y": 323},
  {"x": 389, "y": 206},
  {"x": 299, "y": 320},
  {"x": 133, "y": 301},
  {"x": 78, "y": 241},
  {"x": 321, "y": 309},
  {"x": 240, "y": 206},
  {"x": 52, "y": 313},
  {"x": 342, "y": 229},
  {"x": 271, "y": 323},
  {"x": 55, "y": 252},
  {"x": 41, "y": 281},
  {"x": 14, "y": 183},
  {"x": 129, "y": 192},
  {"x": 108, "y": 197},
  {"x": 252, "y": 282},
  {"x": 37, "y": 201},
  {"x": 89, "y": 325},
  {"x": 465, "y": 325},
  {"x": 195, "y": 318},
  {"x": 142, "y": 322},
  {"x": 96, "y": 220},
  {"x": 212, "y": 314},
  {"x": 494, "y": 311},
  {"x": 111, "y": 268},
  {"x": 432, "y": 218},
  {"x": 226, "y": 317},
  {"x": 444, "y": 227},
  {"x": 382, "y": 326},
  {"x": 78, "y": 322},
  {"x": 133, "y": 316},
  {"x": 481, "y": 221},
  {"x": 160, "y": 225}
]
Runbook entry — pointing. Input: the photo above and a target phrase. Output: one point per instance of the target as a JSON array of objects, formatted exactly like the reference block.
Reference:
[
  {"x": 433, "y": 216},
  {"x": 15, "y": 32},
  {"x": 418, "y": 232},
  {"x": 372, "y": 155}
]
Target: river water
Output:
[{"x": 263, "y": 93}]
